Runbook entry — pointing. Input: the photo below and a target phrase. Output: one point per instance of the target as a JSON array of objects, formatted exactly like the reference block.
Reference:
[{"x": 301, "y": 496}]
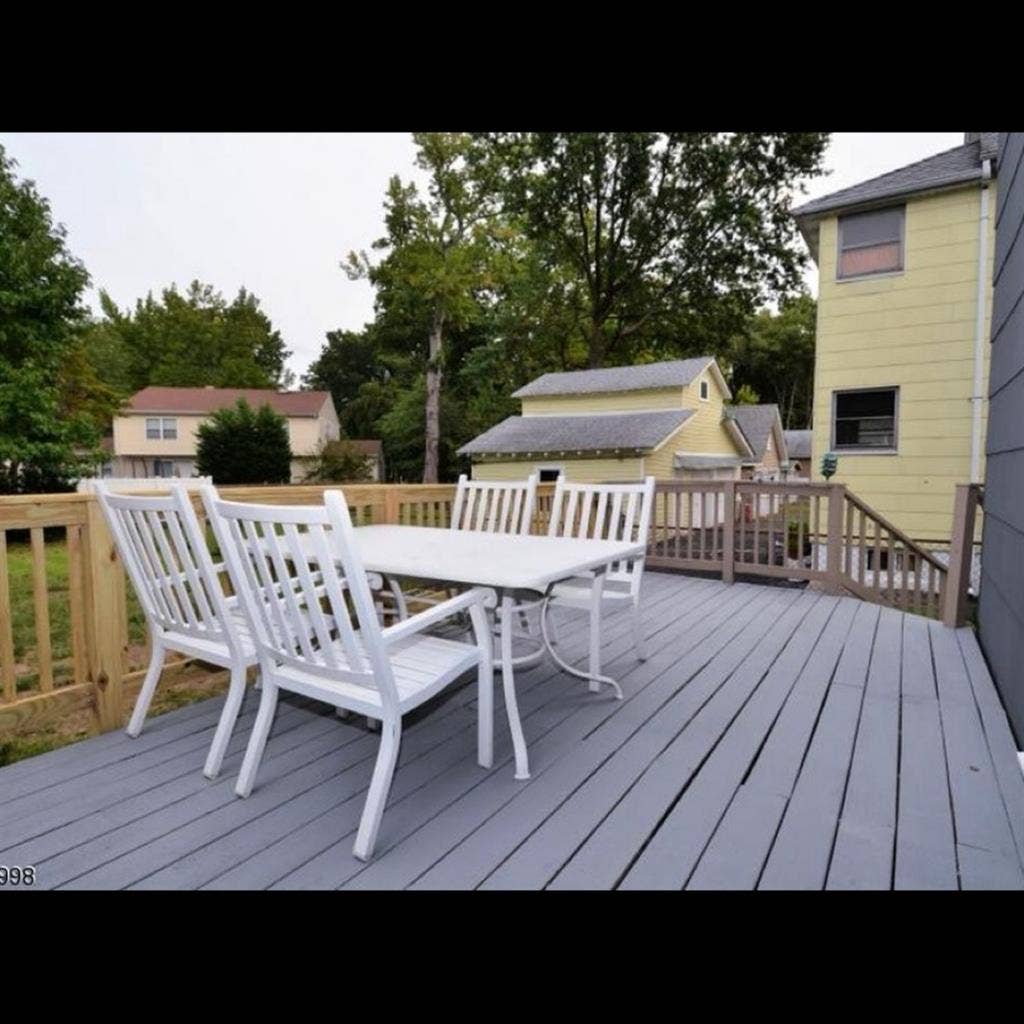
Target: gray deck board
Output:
[{"x": 774, "y": 738}]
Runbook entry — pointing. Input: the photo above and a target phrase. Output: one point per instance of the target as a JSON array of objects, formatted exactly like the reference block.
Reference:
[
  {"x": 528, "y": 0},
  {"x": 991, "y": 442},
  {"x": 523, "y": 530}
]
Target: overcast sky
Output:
[{"x": 277, "y": 213}]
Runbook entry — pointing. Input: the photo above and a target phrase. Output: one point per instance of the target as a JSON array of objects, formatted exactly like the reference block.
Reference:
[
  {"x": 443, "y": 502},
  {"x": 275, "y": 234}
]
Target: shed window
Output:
[
  {"x": 703, "y": 390},
  {"x": 871, "y": 243},
  {"x": 864, "y": 420}
]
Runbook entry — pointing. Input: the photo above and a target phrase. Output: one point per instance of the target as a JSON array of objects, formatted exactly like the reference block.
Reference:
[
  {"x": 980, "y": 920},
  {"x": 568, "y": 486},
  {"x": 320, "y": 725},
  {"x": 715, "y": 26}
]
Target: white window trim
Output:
[
  {"x": 894, "y": 450},
  {"x": 704, "y": 390}
]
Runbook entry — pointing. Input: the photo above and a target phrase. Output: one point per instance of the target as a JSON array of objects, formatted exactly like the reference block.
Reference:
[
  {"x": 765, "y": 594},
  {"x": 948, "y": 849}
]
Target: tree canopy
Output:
[
  {"x": 51, "y": 402},
  {"x": 188, "y": 340}
]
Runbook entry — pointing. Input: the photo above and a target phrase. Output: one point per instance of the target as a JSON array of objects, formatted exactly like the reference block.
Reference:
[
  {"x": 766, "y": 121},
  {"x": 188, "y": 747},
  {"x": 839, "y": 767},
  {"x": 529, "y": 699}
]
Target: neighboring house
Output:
[
  {"x": 762, "y": 427},
  {"x": 666, "y": 419},
  {"x": 798, "y": 446},
  {"x": 155, "y": 435},
  {"x": 1001, "y": 598},
  {"x": 901, "y": 363}
]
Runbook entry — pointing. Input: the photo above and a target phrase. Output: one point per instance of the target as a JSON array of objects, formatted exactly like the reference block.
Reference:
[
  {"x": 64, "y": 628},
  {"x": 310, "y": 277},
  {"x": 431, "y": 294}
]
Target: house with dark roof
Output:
[
  {"x": 664, "y": 419},
  {"x": 904, "y": 305},
  {"x": 155, "y": 433},
  {"x": 762, "y": 427}
]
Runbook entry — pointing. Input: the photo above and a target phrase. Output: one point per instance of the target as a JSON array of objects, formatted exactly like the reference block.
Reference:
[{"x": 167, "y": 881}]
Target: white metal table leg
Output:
[
  {"x": 594, "y": 661},
  {"x": 509, "y": 686}
]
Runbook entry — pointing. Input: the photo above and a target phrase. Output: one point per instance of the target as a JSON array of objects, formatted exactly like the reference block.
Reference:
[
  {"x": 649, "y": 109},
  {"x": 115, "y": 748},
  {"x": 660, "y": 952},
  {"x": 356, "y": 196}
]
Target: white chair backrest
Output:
[
  {"x": 494, "y": 506},
  {"x": 164, "y": 550},
  {"x": 286, "y": 562},
  {"x": 605, "y": 512}
]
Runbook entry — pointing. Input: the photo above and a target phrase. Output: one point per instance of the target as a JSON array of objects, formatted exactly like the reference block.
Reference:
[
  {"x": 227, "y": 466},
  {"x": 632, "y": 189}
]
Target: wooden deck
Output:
[{"x": 775, "y": 738}]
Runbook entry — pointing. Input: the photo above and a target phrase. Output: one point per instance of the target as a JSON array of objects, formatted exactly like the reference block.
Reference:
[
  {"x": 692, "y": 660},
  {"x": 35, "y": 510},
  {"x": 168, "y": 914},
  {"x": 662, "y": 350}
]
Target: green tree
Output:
[
  {"x": 189, "y": 340},
  {"x": 439, "y": 264},
  {"x": 773, "y": 355},
  {"x": 645, "y": 236},
  {"x": 48, "y": 405},
  {"x": 241, "y": 445},
  {"x": 338, "y": 462}
]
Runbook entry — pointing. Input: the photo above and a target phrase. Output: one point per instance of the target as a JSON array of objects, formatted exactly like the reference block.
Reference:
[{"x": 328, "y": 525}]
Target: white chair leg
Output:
[
  {"x": 142, "y": 702},
  {"x": 226, "y": 725},
  {"x": 380, "y": 785},
  {"x": 639, "y": 640},
  {"x": 258, "y": 739}
]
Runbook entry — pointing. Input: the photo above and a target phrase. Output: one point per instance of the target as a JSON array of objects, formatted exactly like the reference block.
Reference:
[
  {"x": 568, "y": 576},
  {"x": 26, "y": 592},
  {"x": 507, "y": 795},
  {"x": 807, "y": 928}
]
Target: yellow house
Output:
[
  {"x": 667, "y": 420},
  {"x": 155, "y": 435},
  {"x": 904, "y": 303}
]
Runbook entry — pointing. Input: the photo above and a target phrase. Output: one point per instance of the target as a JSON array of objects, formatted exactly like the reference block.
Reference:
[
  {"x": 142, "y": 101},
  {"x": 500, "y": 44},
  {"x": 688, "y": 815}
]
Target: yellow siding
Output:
[
  {"x": 579, "y": 470},
  {"x": 703, "y": 433},
  {"x": 914, "y": 330},
  {"x": 618, "y": 401}
]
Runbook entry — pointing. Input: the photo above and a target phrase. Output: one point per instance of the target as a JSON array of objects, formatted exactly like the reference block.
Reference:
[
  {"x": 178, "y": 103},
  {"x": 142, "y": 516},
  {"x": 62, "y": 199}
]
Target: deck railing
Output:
[
  {"x": 818, "y": 532},
  {"x": 72, "y": 637}
]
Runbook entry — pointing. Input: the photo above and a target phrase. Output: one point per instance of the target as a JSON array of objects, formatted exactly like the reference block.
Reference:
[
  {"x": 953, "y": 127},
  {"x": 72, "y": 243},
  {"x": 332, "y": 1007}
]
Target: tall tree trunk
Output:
[{"x": 433, "y": 425}]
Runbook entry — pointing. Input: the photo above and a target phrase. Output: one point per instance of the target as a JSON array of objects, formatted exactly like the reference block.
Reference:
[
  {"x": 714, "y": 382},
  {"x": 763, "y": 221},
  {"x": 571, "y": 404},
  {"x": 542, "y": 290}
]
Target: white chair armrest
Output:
[{"x": 445, "y": 610}]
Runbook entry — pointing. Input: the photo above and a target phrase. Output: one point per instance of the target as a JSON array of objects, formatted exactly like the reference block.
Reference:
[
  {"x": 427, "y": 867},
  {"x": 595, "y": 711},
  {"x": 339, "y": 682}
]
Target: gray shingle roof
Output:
[
  {"x": 631, "y": 431},
  {"x": 951, "y": 167},
  {"x": 675, "y": 373},
  {"x": 756, "y": 423},
  {"x": 798, "y": 442}
]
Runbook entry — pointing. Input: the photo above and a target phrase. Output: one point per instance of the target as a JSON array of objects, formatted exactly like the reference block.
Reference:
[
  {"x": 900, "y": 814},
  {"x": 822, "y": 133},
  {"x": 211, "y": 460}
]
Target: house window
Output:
[
  {"x": 864, "y": 420},
  {"x": 157, "y": 428},
  {"x": 163, "y": 467},
  {"x": 703, "y": 390},
  {"x": 548, "y": 476},
  {"x": 871, "y": 243}
]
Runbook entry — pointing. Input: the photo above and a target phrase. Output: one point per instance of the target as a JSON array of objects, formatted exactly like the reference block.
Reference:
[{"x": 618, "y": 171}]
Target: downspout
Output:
[{"x": 979, "y": 326}]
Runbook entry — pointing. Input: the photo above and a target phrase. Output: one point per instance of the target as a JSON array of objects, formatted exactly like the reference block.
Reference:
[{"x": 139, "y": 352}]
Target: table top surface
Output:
[{"x": 485, "y": 559}]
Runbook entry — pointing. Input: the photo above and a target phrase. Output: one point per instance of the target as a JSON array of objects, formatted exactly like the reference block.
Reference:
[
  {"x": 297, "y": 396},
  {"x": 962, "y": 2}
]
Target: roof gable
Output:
[{"x": 758, "y": 423}]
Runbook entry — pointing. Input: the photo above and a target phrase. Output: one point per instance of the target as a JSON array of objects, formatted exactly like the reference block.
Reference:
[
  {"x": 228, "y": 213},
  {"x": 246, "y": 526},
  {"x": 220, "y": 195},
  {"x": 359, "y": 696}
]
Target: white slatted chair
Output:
[
  {"x": 358, "y": 666},
  {"x": 620, "y": 512},
  {"x": 179, "y": 587},
  {"x": 493, "y": 506}
]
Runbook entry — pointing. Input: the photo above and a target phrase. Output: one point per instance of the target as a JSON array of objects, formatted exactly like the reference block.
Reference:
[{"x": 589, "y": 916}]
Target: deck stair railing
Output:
[{"x": 816, "y": 532}]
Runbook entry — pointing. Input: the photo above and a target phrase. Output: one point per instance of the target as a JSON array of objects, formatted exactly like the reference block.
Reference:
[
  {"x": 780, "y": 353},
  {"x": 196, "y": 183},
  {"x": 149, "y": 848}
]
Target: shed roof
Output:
[
  {"x": 673, "y": 373},
  {"x": 635, "y": 431}
]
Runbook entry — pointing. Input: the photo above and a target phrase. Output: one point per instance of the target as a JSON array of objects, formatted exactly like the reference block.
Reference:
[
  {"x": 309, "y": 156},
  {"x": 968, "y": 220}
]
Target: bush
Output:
[
  {"x": 338, "y": 462},
  {"x": 243, "y": 446}
]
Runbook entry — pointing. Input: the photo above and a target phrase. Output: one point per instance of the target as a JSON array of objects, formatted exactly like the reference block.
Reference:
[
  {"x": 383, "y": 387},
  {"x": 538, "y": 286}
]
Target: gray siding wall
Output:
[{"x": 1001, "y": 602}]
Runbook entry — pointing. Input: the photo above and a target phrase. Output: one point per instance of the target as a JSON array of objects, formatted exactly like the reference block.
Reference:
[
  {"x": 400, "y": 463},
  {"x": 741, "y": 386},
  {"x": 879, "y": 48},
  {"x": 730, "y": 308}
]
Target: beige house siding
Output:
[{"x": 913, "y": 330}]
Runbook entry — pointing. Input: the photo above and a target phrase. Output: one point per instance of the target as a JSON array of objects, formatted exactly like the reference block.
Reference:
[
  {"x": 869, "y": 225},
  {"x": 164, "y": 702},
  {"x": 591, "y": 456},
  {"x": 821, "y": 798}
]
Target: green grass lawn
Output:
[{"x": 19, "y": 560}]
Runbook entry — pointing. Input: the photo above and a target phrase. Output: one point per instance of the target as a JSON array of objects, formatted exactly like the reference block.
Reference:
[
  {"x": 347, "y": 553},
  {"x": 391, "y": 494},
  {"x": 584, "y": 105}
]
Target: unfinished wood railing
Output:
[{"x": 72, "y": 638}]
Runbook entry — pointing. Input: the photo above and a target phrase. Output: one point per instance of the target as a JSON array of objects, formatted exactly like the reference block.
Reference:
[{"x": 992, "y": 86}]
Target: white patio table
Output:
[{"x": 509, "y": 564}]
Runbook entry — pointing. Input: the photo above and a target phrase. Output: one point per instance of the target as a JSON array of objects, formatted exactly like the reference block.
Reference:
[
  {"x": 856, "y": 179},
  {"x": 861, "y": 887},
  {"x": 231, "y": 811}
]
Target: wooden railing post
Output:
[
  {"x": 961, "y": 551},
  {"x": 106, "y": 619},
  {"x": 392, "y": 505},
  {"x": 834, "y": 549},
  {"x": 729, "y": 532}
]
